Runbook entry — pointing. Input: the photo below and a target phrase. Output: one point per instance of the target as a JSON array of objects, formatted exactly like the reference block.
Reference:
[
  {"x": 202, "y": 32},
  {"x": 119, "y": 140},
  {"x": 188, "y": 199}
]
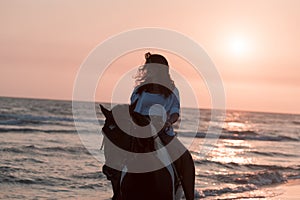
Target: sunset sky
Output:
[{"x": 254, "y": 44}]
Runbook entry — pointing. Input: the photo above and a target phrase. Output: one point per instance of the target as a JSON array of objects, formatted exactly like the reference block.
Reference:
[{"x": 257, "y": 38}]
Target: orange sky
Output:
[{"x": 255, "y": 46}]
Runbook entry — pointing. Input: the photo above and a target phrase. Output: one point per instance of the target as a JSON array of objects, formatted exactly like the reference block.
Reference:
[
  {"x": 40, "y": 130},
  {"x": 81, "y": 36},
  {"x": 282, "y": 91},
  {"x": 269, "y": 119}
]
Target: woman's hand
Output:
[
  {"x": 167, "y": 125},
  {"x": 172, "y": 119}
]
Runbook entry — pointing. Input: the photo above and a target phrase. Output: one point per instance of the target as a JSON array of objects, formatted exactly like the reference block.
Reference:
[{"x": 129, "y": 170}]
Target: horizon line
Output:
[{"x": 229, "y": 109}]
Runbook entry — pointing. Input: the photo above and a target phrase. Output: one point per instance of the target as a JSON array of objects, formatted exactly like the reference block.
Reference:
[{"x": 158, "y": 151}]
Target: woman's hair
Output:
[{"x": 154, "y": 74}]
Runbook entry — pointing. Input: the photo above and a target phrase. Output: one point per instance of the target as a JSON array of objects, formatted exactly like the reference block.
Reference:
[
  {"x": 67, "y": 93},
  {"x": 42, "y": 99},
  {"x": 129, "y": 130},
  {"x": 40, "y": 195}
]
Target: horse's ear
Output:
[{"x": 104, "y": 111}]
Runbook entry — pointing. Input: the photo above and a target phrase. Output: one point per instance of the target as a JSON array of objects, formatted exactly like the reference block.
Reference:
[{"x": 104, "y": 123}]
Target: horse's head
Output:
[
  {"x": 111, "y": 129},
  {"x": 120, "y": 129}
]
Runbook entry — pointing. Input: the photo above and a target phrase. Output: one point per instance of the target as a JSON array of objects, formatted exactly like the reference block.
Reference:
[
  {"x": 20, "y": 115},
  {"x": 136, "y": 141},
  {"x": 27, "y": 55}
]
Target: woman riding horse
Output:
[{"x": 155, "y": 101}]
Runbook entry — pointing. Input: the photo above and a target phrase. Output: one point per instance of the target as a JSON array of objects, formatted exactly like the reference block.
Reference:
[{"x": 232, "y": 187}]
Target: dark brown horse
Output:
[{"x": 159, "y": 184}]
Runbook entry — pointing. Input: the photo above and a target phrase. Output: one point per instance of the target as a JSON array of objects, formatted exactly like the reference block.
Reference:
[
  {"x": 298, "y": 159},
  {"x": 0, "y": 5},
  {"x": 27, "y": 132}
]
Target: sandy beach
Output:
[{"x": 288, "y": 191}]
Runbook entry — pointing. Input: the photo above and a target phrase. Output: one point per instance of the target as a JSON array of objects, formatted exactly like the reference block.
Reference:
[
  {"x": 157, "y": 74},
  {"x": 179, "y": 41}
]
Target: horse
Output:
[{"x": 163, "y": 183}]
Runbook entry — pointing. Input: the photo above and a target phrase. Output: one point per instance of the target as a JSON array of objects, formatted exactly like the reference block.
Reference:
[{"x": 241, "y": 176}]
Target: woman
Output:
[{"x": 154, "y": 86}]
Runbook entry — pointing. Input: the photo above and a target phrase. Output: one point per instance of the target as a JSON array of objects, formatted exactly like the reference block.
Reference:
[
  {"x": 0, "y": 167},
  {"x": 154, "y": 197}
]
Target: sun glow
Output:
[{"x": 239, "y": 46}]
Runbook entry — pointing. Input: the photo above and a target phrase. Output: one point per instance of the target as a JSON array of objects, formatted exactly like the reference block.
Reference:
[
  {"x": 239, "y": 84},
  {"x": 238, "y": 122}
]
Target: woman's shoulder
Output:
[
  {"x": 134, "y": 95},
  {"x": 175, "y": 91}
]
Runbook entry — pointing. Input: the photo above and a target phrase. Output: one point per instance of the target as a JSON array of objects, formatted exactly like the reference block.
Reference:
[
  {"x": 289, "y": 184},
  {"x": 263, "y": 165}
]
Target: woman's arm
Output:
[
  {"x": 175, "y": 107},
  {"x": 173, "y": 118},
  {"x": 134, "y": 96}
]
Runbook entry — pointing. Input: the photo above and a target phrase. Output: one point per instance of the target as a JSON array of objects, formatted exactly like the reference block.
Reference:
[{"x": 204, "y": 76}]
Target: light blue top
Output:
[{"x": 157, "y": 104}]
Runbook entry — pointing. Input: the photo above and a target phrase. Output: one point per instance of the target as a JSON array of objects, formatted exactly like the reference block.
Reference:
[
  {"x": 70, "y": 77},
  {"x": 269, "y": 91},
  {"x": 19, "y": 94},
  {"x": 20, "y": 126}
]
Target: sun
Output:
[{"x": 239, "y": 46}]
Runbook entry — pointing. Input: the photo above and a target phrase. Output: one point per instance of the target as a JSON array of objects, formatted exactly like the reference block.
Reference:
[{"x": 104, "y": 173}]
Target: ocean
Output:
[{"x": 42, "y": 156}]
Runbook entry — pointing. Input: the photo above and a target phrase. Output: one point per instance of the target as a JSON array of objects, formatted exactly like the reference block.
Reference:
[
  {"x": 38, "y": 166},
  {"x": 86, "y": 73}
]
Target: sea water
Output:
[{"x": 43, "y": 157}]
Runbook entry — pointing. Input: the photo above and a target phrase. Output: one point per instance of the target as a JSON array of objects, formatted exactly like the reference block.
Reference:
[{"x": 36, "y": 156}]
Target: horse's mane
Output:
[{"x": 122, "y": 138}]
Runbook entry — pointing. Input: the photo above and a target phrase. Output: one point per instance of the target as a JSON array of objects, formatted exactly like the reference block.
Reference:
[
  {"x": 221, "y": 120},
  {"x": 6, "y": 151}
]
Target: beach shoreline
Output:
[{"x": 288, "y": 191}]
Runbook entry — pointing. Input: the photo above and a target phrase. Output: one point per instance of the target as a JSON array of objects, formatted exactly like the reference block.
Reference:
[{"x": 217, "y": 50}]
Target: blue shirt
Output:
[{"x": 157, "y": 104}]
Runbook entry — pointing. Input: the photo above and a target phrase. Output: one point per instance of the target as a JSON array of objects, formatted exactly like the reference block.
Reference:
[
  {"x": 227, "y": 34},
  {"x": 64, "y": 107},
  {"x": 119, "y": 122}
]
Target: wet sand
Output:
[{"x": 288, "y": 191}]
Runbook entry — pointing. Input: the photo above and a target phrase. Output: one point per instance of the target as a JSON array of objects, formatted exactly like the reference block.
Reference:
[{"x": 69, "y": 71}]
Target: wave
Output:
[
  {"x": 33, "y": 118},
  {"x": 92, "y": 175},
  {"x": 31, "y": 160},
  {"x": 242, "y": 182},
  {"x": 13, "y": 175},
  {"x": 246, "y": 135},
  {"x": 220, "y": 191},
  {"x": 26, "y": 130},
  {"x": 249, "y": 173},
  {"x": 51, "y": 181},
  {"x": 11, "y": 149},
  {"x": 71, "y": 150},
  {"x": 296, "y": 122},
  {"x": 91, "y": 186},
  {"x": 7, "y": 175},
  {"x": 233, "y": 165},
  {"x": 32, "y": 149},
  {"x": 260, "y": 178},
  {"x": 275, "y": 154},
  {"x": 19, "y": 120},
  {"x": 247, "y": 132},
  {"x": 8, "y": 170}
]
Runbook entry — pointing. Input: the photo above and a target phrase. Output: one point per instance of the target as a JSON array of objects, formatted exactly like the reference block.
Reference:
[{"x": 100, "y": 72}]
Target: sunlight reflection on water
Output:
[{"x": 231, "y": 151}]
